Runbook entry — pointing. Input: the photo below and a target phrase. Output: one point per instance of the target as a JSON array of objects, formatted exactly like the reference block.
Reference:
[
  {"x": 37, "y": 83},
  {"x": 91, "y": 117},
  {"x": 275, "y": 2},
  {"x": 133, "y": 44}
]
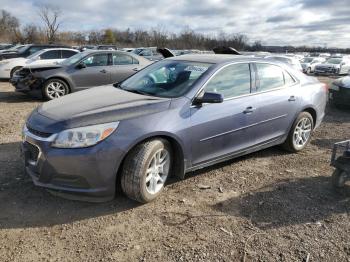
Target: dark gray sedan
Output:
[
  {"x": 175, "y": 116},
  {"x": 82, "y": 71}
]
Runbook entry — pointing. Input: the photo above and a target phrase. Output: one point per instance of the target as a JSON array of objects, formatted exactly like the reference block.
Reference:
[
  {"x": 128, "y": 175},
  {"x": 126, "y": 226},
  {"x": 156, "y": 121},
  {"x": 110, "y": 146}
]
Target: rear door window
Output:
[
  {"x": 122, "y": 59},
  {"x": 52, "y": 54},
  {"x": 67, "y": 53},
  {"x": 231, "y": 81},
  {"x": 270, "y": 77},
  {"x": 96, "y": 60}
]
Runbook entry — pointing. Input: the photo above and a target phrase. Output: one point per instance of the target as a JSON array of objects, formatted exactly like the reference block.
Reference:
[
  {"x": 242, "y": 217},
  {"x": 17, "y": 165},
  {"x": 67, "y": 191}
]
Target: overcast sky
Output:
[{"x": 275, "y": 22}]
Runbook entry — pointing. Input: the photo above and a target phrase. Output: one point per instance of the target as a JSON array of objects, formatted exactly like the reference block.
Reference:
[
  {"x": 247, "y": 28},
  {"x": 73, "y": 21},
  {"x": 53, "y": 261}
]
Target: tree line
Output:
[{"x": 11, "y": 31}]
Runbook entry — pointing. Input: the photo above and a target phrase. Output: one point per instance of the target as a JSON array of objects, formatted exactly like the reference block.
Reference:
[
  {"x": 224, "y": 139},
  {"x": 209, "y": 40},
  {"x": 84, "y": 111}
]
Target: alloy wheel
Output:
[
  {"x": 157, "y": 171},
  {"x": 55, "y": 90},
  {"x": 302, "y": 132}
]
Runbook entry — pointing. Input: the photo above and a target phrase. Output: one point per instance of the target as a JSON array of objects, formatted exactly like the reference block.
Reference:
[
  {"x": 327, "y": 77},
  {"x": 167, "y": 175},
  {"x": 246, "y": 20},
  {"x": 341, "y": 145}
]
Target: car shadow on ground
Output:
[
  {"x": 327, "y": 143},
  {"x": 289, "y": 202},
  {"x": 15, "y": 97}
]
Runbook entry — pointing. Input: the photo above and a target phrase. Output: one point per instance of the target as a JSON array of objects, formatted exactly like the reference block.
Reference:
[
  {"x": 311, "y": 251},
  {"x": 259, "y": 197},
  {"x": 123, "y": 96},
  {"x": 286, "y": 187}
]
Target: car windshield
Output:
[
  {"x": 73, "y": 59},
  {"x": 35, "y": 54},
  {"x": 22, "y": 49},
  {"x": 334, "y": 61},
  {"x": 308, "y": 60},
  {"x": 167, "y": 78}
]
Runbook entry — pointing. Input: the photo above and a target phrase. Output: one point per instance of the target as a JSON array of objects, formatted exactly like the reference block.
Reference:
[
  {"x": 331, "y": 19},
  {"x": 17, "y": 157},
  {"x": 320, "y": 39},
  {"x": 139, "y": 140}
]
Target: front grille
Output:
[
  {"x": 32, "y": 151},
  {"x": 38, "y": 133}
]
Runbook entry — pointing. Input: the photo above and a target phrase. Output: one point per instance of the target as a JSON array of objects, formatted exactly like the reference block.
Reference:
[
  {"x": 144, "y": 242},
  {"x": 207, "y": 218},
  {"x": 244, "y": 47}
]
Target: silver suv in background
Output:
[
  {"x": 309, "y": 63},
  {"x": 334, "y": 65},
  {"x": 294, "y": 62}
]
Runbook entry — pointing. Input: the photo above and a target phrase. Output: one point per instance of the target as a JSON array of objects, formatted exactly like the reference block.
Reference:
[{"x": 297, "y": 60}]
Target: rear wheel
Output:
[
  {"x": 55, "y": 88},
  {"x": 339, "y": 178},
  {"x": 146, "y": 170},
  {"x": 300, "y": 134}
]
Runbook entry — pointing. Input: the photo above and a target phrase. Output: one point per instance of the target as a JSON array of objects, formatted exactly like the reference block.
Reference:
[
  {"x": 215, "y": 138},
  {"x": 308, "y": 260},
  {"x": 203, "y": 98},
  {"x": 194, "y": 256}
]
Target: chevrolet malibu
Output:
[{"x": 175, "y": 116}]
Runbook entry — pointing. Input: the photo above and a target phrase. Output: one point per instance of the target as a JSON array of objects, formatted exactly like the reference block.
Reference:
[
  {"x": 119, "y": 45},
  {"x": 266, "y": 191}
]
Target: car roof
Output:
[
  {"x": 219, "y": 59},
  {"x": 59, "y": 48}
]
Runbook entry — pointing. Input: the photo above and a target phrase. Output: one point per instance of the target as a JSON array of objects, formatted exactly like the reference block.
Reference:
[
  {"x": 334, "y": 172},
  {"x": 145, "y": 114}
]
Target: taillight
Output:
[{"x": 325, "y": 86}]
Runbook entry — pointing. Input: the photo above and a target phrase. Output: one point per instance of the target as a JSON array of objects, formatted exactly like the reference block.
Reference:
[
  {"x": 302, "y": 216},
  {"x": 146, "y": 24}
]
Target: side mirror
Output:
[
  {"x": 208, "y": 97},
  {"x": 81, "y": 65}
]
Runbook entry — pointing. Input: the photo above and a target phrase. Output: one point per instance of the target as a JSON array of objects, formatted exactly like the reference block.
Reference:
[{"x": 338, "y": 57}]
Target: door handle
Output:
[
  {"x": 103, "y": 71},
  {"x": 249, "y": 110},
  {"x": 292, "y": 99},
  {"x": 135, "y": 69}
]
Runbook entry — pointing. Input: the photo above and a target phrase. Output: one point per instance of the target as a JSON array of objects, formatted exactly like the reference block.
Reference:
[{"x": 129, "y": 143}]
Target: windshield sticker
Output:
[{"x": 193, "y": 68}]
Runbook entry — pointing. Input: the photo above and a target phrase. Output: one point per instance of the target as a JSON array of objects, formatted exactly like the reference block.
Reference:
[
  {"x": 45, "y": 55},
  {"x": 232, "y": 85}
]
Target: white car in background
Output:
[
  {"x": 334, "y": 66},
  {"x": 294, "y": 62},
  {"x": 12, "y": 49},
  {"x": 45, "y": 56},
  {"x": 309, "y": 63}
]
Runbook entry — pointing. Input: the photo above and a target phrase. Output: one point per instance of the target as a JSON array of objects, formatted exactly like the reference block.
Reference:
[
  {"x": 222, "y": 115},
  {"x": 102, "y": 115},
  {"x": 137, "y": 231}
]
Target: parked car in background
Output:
[
  {"x": 336, "y": 66},
  {"x": 149, "y": 53},
  {"x": 5, "y": 46},
  {"x": 28, "y": 50},
  {"x": 81, "y": 71},
  {"x": 177, "y": 115},
  {"x": 339, "y": 92},
  {"x": 294, "y": 62},
  {"x": 105, "y": 47},
  {"x": 309, "y": 63},
  {"x": 8, "y": 67},
  {"x": 12, "y": 49}
]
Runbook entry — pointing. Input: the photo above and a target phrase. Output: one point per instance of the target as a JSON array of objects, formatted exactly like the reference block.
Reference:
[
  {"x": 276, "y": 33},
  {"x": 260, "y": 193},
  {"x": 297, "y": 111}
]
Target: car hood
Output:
[
  {"x": 343, "y": 82},
  {"x": 43, "y": 67},
  {"x": 16, "y": 60},
  {"x": 94, "y": 106}
]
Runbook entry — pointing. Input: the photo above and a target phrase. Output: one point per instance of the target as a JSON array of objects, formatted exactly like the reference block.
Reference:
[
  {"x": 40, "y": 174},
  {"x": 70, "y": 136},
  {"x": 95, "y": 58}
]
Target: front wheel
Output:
[
  {"x": 146, "y": 169},
  {"x": 55, "y": 88},
  {"x": 308, "y": 71},
  {"x": 339, "y": 178},
  {"x": 300, "y": 134}
]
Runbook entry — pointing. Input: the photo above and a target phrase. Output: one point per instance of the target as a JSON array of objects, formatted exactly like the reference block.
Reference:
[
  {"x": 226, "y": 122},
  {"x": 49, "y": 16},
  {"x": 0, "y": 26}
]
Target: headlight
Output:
[{"x": 84, "y": 136}]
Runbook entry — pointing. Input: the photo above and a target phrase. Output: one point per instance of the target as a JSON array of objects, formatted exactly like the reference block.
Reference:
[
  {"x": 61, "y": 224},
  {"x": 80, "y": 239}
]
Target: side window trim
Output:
[
  {"x": 270, "y": 90},
  {"x": 219, "y": 70}
]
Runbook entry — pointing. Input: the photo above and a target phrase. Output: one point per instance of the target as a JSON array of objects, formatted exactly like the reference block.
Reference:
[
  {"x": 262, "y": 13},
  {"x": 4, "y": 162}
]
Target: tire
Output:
[
  {"x": 14, "y": 70},
  {"x": 137, "y": 181},
  {"x": 339, "y": 178},
  {"x": 308, "y": 71},
  {"x": 54, "y": 88},
  {"x": 299, "y": 132}
]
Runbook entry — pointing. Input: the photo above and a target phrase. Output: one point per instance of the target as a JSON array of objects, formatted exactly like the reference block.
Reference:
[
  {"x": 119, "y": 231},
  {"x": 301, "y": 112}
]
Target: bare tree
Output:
[
  {"x": 9, "y": 26},
  {"x": 49, "y": 15}
]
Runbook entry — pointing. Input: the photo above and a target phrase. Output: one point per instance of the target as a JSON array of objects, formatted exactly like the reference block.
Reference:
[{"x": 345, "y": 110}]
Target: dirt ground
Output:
[{"x": 267, "y": 206}]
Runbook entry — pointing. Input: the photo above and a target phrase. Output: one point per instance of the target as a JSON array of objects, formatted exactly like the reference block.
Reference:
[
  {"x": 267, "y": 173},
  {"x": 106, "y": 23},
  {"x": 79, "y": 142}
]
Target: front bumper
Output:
[
  {"x": 326, "y": 71},
  {"x": 26, "y": 84},
  {"x": 87, "y": 174}
]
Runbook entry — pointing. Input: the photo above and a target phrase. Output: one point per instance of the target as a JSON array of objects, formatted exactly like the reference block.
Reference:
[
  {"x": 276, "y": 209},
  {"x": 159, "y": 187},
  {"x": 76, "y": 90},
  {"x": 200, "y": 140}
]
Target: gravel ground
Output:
[{"x": 267, "y": 206}]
